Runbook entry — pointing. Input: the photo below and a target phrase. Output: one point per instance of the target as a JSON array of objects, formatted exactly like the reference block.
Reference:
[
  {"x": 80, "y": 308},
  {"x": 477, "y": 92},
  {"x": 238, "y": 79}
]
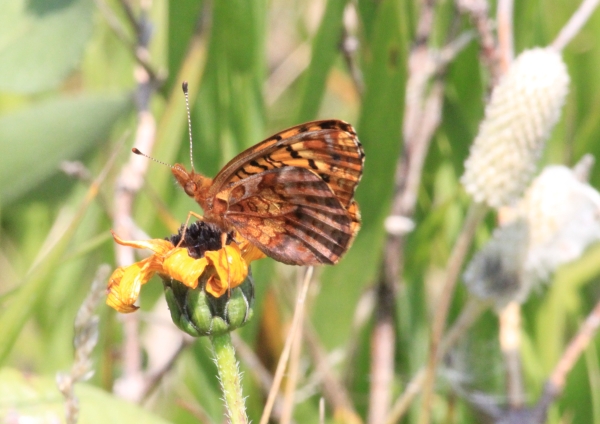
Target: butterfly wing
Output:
[
  {"x": 291, "y": 214},
  {"x": 330, "y": 149}
]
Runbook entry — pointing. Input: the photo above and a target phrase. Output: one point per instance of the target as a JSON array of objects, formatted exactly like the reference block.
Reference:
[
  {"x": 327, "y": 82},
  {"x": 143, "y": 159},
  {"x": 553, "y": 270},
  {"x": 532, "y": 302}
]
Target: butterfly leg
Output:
[
  {"x": 187, "y": 221},
  {"x": 223, "y": 244}
]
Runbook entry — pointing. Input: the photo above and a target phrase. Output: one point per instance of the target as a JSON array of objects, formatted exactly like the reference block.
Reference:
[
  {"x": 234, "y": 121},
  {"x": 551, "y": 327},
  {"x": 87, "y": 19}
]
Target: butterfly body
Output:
[
  {"x": 197, "y": 186},
  {"x": 291, "y": 195}
]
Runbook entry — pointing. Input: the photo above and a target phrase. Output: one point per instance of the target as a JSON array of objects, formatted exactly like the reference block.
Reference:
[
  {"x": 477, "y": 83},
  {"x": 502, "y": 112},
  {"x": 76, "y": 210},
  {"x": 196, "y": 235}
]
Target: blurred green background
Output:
[{"x": 69, "y": 86}]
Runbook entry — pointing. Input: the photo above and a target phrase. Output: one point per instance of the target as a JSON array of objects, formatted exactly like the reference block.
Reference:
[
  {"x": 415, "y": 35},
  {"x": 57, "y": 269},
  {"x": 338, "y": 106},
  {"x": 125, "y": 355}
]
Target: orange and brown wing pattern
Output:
[
  {"x": 291, "y": 195},
  {"x": 291, "y": 214},
  {"x": 329, "y": 149}
]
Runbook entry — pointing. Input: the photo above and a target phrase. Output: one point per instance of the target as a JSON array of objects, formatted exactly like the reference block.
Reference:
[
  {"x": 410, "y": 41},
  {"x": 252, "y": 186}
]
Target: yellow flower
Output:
[{"x": 226, "y": 268}]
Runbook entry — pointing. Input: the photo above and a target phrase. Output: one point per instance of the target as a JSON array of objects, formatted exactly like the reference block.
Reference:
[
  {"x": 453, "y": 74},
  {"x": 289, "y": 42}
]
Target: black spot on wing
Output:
[
  {"x": 258, "y": 165},
  {"x": 360, "y": 147},
  {"x": 347, "y": 127},
  {"x": 327, "y": 125},
  {"x": 245, "y": 172},
  {"x": 292, "y": 152},
  {"x": 275, "y": 163},
  {"x": 312, "y": 164}
]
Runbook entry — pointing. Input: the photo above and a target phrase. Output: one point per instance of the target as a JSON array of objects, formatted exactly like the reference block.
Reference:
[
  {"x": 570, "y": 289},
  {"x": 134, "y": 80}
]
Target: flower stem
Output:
[
  {"x": 229, "y": 375},
  {"x": 475, "y": 214}
]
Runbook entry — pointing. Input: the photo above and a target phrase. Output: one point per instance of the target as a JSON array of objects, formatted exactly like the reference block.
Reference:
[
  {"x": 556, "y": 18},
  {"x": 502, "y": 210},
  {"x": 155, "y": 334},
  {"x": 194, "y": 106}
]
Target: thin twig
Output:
[
  {"x": 556, "y": 382},
  {"x": 349, "y": 47},
  {"x": 321, "y": 411},
  {"x": 253, "y": 363},
  {"x": 407, "y": 180},
  {"x": 131, "y": 178},
  {"x": 195, "y": 410},
  {"x": 115, "y": 25},
  {"x": 255, "y": 367},
  {"x": 469, "y": 314},
  {"x": 506, "y": 48},
  {"x": 583, "y": 168},
  {"x": 421, "y": 120},
  {"x": 293, "y": 370},
  {"x": 474, "y": 216},
  {"x": 296, "y": 323},
  {"x": 129, "y": 13},
  {"x": 77, "y": 170},
  {"x": 333, "y": 390},
  {"x": 478, "y": 10},
  {"x": 84, "y": 340},
  {"x": 510, "y": 341},
  {"x": 449, "y": 52},
  {"x": 577, "y": 21},
  {"x": 574, "y": 349},
  {"x": 286, "y": 73},
  {"x": 152, "y": 381},
  {"x": 383, "y": 340},
  {"x": 362, "y": 317}
]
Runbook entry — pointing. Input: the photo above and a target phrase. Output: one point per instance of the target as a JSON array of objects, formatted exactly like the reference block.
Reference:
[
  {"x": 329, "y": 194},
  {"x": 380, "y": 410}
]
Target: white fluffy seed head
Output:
[
  {"x": 496, "y": 272},
  {"x": 557, "y": 219},
  {"x": 523, "y": 109},
  {"x": 564, "y": 219}
]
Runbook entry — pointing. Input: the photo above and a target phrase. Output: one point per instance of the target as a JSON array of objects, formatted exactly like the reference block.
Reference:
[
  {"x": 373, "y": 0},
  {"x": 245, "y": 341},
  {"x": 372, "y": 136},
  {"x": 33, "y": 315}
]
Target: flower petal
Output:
[
  {"x": 249, "y": 251},
  {"x": 215, "y": 286},
  {"x": 181, "y": 267},
  {"x": 231, "y": 269},
  {"x": 158, "y": 246},
  {"x": 125, "y": 284}
]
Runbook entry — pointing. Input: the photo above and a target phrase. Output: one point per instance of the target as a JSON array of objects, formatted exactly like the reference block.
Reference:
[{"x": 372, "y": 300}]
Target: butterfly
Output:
[{"x": 291, "y": 195}]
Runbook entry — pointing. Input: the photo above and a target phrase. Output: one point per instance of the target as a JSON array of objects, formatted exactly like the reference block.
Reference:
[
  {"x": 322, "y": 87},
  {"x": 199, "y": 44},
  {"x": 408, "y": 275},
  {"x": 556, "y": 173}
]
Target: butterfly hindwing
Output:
[{"x": 291, "y": 214}]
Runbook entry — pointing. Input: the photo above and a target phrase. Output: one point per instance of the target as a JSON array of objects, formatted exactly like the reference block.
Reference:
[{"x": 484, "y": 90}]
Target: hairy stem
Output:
[{"x": 231, "y": 380}]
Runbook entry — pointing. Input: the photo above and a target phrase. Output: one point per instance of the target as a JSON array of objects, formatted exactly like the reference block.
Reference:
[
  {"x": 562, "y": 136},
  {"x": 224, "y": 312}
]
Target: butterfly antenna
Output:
[
  {"x": 137, "y": 152},
  {"x": 184, "y": 86}
]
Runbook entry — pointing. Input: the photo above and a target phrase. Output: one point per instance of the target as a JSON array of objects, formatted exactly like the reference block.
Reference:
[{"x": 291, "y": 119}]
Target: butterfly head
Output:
[{"x": 194, "y": 184}]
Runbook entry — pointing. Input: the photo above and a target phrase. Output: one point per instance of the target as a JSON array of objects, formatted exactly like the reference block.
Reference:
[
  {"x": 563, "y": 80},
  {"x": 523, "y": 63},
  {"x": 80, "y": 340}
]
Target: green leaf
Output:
[
  {"x": 35, "y": 140},
  {"x": 184, "y": 17},
  {"x": 379, "y": 132},
  {"x": 325, "y": 49},
  {"x": 41, "y": 42},
  {"x": 39, "y": 399}
]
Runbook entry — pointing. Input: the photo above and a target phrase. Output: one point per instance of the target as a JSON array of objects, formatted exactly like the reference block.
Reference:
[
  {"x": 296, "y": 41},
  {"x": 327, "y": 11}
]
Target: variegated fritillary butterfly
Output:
[{"x": 292, "y": 195}]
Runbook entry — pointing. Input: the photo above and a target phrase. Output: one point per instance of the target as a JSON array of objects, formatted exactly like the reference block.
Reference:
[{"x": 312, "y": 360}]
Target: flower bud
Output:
[{"x": 199, "y": 313}]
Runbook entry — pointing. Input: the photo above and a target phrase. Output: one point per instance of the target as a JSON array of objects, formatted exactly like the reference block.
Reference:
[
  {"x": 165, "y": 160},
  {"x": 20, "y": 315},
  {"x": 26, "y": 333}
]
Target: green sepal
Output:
[{"x": 199, "y": 313}]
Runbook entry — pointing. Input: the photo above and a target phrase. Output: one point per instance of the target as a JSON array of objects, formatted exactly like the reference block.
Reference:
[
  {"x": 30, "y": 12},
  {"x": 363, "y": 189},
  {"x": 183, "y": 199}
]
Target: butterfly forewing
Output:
[{"x": 328, "y": 148}]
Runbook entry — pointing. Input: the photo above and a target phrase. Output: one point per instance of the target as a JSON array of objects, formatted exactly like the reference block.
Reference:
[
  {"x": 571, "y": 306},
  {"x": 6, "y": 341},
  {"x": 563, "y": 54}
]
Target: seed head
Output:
[{"x": 523, "y": 109}]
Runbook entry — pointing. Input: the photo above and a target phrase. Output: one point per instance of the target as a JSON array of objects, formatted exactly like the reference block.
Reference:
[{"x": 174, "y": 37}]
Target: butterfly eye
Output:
[{"x": 190, "y": 188}]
